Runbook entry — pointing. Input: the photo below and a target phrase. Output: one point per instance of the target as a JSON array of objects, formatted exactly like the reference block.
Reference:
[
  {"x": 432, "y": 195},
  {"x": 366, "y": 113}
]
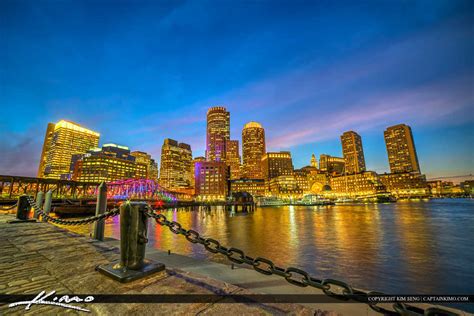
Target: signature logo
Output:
[{"x": 62, "y": 301}]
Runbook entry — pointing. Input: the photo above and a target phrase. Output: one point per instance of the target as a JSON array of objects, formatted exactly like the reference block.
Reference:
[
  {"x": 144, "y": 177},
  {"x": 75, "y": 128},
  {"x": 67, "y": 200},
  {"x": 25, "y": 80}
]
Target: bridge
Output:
[
  {"x": 11, "y": 187},
  {"x": 74, "y": 196}
]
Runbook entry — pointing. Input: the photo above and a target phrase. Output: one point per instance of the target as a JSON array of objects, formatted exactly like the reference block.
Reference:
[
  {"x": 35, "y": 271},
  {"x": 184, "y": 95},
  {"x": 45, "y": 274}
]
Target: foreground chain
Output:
[
  {"x": 83, "y": 221},
  {"x": 294, "y": 275}
]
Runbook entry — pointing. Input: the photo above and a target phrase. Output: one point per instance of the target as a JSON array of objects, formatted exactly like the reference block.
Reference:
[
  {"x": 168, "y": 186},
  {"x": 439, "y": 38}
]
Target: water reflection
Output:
[{"x": 405, "y": 247}]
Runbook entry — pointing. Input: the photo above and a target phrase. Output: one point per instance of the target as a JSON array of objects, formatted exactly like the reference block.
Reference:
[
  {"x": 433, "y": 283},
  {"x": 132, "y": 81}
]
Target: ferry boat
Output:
[
  {"x": 378, "y": 198},
  {"x": 313, "y": 199},
  {"x": 270, "y": 201},
  {"x": 346, "y": 200}
]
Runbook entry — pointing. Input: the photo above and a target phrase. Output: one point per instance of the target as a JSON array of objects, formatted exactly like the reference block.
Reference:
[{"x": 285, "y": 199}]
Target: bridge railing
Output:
[{"x": 11, "y": 187}]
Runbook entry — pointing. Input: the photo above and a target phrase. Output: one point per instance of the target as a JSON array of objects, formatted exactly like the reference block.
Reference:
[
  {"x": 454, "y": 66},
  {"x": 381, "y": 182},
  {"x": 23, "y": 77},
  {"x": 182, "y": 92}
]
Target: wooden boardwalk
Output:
[{"x": 40, "y": 256}]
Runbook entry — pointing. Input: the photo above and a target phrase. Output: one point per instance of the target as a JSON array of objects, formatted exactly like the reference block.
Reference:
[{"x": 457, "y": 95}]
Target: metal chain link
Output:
[
  {"x": 83, "y": 221},
  {"x": 8, "y": 207},
  {"x": 333, "y": 288}
]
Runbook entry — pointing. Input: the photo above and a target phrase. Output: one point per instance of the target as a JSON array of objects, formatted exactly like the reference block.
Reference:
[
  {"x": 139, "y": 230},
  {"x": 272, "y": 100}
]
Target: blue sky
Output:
[{"x": 139, "y": 72}]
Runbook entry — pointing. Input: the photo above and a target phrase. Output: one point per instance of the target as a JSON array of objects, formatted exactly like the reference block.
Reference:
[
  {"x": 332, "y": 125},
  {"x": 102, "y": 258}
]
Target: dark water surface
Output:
[{"x": 416, "y": 247}]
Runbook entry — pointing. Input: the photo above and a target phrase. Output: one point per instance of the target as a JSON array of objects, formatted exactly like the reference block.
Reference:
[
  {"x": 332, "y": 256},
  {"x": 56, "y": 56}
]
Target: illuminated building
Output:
[
  {"x": 233, "y": 158},
  {"x": 310, "y": 180},
  {"x": 359, "y": 184},
  {"x": 353, "y": 152},
  {"x": 218, "y": 132},
  {"x": 176, "y": 165},
  {"x": 211, "y": 180},
  {"x": 439, "y": 188},
  {"x": 331, "y": 165},
  {"x": 46, "y": 146},
  {"x": 276, "y": 164},
  {"x": 256, "y": 187},
  {"x": 467, "y": 186},
  {"x": 314, "y": 161},
  {"x": 61, "y": 142},
  {"x": 253, "y": 149},
  {"x": 302, "y": 181},
  {"x": 401, "y": 150},
  {"x": 151, "y": 165},
  {"x": 284, "y": 187},
  {"x": 110, "y": 163},
  {"x": 193, "y": 168},
  {"x": 407, "y": 184}
]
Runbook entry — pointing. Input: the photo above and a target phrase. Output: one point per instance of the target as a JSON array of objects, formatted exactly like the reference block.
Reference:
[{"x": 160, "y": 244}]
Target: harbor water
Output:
[{"x": 408, "y": 247}]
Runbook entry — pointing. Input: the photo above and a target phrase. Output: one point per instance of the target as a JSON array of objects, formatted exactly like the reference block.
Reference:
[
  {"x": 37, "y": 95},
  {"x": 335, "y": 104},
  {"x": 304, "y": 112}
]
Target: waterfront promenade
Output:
[{"x": 41, "y": 256}]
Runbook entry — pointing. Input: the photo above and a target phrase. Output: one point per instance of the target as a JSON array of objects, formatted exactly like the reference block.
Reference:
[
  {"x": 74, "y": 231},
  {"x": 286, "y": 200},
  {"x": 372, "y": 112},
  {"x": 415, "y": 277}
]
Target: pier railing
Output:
[{"x": 132, "y": 264}]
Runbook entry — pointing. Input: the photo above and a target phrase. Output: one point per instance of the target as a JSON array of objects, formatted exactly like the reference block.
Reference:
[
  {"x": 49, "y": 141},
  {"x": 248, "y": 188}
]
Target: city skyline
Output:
[{"x": 305, "y": 97}]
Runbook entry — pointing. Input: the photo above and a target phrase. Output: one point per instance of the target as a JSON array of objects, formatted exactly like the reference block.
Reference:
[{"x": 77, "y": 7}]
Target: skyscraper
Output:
[
  {"x": 218, "y": 132},
  {"x": 61, "y": 142},
  {"x": 176, "y": 165},
  {"x": 45, "y": 150},
  {"x": 401, "y": 150},
  {"x": 253, "y": 149},
  {"x": 353, "y": 152},
  {"x": 233, "y": 158}
]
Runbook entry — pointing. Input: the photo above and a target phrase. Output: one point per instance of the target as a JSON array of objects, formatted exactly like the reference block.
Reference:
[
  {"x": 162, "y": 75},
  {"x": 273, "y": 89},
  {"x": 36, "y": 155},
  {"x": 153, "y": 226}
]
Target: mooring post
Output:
[
  {"x": 39, "y": 202},
  {"x": 22, "y": 210},
  {"x": 100, "y": 208},
  {"x": 133, "y": 240},
  {"x": 48, "y": 199}
]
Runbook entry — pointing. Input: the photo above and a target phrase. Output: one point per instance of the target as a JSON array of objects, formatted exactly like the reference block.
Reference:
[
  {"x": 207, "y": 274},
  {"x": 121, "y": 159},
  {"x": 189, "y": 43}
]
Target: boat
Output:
[
  {"x": 378, "y": 198},
  {"x": 313, "y": 200},
  {"x": 270, "y": 201},
  {"x": 346, "y": 200}
]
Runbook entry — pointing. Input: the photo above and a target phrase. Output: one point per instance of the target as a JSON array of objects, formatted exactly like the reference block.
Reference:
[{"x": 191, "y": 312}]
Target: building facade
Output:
[
  {"x": 302, "y": 180},
  {"x": 217, "y": 133},
  {"x": 253, "y": 149},
  {"x": 110, "y": 163},
  {"x": 284, "y": 187},
  {"x": 405, "y": 185},
  {"x": 401, "y": 150},
  {"x": 256, "y": 187},
  {"x": 353, "y": 152},
  {"x": 233, "y": 158},
  {"x": 331, "y": 165},
  {"x": 357, "y": 185},
  {"x": 211, "y": 180},
  {"x": 145, "y": 159},
  {"x": 46, "y": 147},
  {"x": 275, "y": 164},
  {"x": 176, "y": 165},
  {"x": 63, "y": 140},
  {"x": 440, "y": 188}
]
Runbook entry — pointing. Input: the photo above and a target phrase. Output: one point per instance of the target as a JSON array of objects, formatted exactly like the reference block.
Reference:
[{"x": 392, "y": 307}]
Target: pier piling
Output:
[
  {"x": 101, "y": 207},
  {"x": 39, "y": 202},
  {"x": 47, "y": 204},
  {"x": 133, "y": 240},
  {"x": 22, "y": 210}
]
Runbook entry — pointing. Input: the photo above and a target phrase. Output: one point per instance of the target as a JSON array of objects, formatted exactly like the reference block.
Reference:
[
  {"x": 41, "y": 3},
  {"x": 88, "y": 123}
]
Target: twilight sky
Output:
[{"x": 139, "y": 72}]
